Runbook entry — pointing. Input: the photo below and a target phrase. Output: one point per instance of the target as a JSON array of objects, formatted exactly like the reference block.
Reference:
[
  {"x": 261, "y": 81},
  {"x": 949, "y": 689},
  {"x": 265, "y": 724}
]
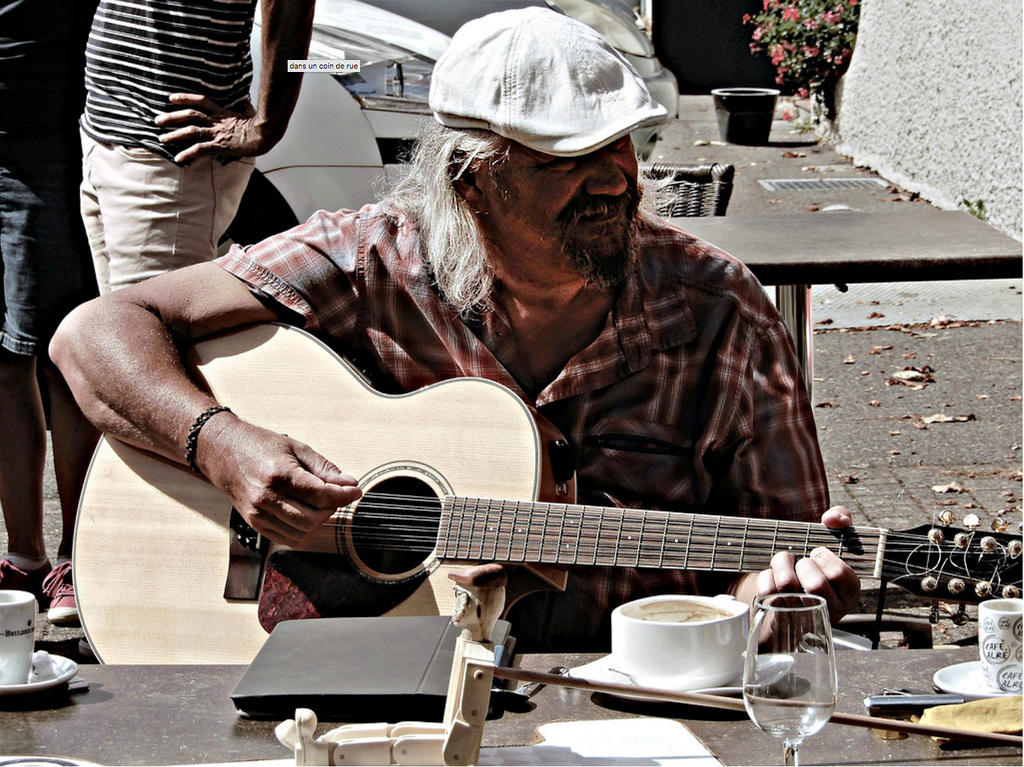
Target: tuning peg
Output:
[
  {"x": 999, "y": 525},
  {"x": 935, "y": 535},
  {"x": 983, "y": 589},
  {"x": 972, "y": 521},
  {"x": 929, "y": 583},
  {"x": 956, "y": 586},
  {"x": 1010, "y": 592},
  {"x": 989, "y": 544},
  {"x": 962, "y": 540},
  {"x": 1015, "y": 548},
  {"x": 947, "y": 517}
]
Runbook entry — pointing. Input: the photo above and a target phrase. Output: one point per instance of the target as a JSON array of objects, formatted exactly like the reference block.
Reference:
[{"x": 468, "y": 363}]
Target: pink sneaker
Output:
[
  {"x": 13, "y": 578},
  {"x": 59, "y": 587}
]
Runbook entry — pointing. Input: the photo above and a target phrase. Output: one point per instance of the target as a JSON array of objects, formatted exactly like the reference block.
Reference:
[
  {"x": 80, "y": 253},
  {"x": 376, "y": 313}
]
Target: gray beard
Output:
[
  {"x": 607, "y": 265},
  {"x": 603, "y": 261}
]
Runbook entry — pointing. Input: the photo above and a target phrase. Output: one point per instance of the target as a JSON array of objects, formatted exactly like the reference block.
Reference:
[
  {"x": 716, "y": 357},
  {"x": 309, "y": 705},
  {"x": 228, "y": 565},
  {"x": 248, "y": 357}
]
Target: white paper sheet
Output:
[{"x": 646, "y": 741}]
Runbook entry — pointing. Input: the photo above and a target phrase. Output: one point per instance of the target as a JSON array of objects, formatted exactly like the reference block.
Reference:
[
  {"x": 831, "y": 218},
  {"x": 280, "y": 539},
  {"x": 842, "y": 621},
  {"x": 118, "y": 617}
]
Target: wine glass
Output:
[{"x": 789, "y": 671}]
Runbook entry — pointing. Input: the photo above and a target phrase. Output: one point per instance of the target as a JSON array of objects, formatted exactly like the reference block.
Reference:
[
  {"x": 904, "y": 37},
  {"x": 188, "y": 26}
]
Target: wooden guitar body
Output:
[{"x": 154, "y": 541}]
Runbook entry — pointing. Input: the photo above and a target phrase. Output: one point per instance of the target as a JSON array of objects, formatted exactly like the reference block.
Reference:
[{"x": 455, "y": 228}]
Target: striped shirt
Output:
[
  {"x": 141, "y": 51},
  {"x": 688, "y": 400}
]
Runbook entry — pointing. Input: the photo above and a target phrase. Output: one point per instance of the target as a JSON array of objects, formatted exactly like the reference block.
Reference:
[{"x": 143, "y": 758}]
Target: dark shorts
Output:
[{"x": 46, "y": 266}]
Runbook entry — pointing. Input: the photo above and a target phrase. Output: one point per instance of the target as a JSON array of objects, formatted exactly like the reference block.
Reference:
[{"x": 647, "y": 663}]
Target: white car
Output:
[{"x": 350, "y": 131}]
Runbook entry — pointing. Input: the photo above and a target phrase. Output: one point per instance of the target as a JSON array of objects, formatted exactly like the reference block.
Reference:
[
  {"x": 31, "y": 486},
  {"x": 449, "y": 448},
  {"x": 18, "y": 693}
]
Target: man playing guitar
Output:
[{"x": 514, "y": 251}]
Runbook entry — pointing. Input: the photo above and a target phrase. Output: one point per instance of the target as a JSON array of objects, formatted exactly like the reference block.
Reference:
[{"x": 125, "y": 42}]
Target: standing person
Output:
[
  {"x": 46, "y": 272},
  {"x": 161, "y": 187},
  {"x": 515, "y": 250}
]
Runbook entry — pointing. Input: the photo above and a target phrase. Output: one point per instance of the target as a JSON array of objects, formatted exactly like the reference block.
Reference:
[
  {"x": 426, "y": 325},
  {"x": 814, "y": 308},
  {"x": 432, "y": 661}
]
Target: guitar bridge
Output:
[{"x": 246, "y": 558}]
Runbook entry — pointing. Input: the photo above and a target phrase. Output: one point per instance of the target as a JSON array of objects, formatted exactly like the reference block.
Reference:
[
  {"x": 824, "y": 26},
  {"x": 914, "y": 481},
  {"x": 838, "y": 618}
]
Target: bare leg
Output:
[
  {"x": 22, "y": 454},
  {"x": 74, "y": 440}
]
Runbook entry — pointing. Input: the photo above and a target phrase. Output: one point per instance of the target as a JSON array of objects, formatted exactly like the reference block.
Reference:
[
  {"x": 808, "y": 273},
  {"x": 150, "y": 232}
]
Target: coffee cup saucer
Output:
[
  {"x": 968, "y": 680},
  {"x": 604, "y": 670},
  {"x": 48, "y": 671}
]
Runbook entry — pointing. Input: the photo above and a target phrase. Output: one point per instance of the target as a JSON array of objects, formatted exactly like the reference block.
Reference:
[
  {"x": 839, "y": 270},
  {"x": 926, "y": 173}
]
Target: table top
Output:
[
  {"x": 853, "y": 247},
  {"x": 145, "y": 715}
]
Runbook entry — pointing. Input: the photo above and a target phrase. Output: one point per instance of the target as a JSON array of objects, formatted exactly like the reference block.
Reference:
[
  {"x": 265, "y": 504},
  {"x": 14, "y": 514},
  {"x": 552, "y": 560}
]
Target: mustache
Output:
[{"x": 586, "y": 206}]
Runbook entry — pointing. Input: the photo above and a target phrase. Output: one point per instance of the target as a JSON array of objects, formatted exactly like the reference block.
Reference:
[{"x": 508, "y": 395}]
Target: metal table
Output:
[
  {"x": 151, "y": 715},
  {"x": 793, "y": 252}
]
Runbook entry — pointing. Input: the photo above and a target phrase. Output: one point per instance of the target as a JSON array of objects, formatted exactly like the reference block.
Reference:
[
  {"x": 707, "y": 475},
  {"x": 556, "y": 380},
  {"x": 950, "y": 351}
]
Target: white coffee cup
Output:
[
  {"x": 18, "y": 611},
  {"x": 999, "y": 630},
  {"x": 680, "y": 642}
]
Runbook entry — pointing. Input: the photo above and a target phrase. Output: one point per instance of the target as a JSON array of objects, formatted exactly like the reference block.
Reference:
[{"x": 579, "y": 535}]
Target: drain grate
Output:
[{"x": 819, "y": 184}]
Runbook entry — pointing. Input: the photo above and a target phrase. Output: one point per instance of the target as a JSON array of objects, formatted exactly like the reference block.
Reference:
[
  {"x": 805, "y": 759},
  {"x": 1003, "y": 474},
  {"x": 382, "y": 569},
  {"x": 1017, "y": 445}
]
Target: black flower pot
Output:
[{"x": 745, "y": 114}]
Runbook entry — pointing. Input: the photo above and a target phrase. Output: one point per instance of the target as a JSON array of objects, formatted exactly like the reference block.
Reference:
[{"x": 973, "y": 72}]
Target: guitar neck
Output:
[{"x": 572, "y": 534}]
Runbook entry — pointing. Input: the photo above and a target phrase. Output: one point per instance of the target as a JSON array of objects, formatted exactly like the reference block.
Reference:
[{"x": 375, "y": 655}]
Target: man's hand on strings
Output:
[
  {"x": 822, "y": 573},
  {"x": 283, "y": 488}
]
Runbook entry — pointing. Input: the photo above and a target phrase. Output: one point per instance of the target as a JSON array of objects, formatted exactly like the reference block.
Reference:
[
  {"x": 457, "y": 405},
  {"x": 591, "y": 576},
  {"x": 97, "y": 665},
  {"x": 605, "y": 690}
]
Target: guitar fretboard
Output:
[{"x": 572, "y": 534}]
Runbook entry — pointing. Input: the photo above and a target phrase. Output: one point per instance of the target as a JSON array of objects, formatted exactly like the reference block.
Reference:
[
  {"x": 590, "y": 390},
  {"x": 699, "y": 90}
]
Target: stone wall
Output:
[{"x": 932, "y": 102}]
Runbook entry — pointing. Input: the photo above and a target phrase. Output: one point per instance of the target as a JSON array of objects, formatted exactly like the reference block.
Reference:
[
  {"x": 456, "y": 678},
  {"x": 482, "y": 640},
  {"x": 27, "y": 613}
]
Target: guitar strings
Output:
[
  {"x": 694, "y": 522},
  {"x": 800, "y": 531},
  {"x": 608, "y": 535}
]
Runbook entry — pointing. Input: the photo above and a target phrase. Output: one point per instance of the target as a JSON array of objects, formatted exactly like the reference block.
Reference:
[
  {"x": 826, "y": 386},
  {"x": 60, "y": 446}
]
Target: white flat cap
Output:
[{"x": 542, "y": 79}]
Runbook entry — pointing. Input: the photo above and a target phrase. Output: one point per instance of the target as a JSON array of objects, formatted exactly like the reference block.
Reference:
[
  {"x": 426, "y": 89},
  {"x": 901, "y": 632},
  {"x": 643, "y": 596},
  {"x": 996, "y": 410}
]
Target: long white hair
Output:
[{"x": 453, "y": 244}]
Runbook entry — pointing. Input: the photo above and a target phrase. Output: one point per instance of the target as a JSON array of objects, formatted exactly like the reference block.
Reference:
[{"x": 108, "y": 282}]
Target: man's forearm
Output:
[
  {"x": 286, "y": 29},
  {"x": 120, "y": 353},
  {"x": 126, "y": 375}
]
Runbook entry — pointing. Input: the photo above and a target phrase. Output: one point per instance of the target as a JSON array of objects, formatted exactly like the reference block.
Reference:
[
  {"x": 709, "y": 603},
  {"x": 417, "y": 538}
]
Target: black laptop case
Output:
[{"x": 355, "y": 669}]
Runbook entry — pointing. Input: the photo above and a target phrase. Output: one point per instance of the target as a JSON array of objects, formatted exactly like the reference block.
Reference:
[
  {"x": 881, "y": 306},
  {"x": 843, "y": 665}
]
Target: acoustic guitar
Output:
[{"x": 461, "y": 471}]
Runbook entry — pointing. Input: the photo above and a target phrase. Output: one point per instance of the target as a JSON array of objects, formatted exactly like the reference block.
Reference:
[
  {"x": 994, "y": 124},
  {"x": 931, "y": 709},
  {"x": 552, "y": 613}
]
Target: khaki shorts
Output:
[{"x": 145, "y": 215}]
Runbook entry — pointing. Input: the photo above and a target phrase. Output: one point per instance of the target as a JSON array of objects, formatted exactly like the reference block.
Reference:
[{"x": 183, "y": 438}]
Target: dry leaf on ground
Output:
[
  {"x": 943, "y": 418},
  {"x": 914, "y": 377},
  {"x": 952, "y": 487}
]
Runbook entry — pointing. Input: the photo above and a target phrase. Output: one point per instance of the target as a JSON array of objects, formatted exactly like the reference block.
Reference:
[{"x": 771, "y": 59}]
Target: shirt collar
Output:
[{"x": 649, "y": 314}]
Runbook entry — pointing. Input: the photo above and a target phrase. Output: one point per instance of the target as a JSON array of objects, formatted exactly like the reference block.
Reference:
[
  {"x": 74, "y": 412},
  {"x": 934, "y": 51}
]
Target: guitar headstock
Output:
[{"x": 955, "y": 565}]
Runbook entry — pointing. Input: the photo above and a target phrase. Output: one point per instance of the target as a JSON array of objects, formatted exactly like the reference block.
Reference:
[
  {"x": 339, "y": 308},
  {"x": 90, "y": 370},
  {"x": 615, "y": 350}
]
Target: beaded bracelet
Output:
[{"x": 192, "y": 440}]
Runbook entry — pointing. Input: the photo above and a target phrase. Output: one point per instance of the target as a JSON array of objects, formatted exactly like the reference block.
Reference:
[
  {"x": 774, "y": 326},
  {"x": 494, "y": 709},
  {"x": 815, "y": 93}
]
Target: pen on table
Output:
[{"x": 716, "y": 701}]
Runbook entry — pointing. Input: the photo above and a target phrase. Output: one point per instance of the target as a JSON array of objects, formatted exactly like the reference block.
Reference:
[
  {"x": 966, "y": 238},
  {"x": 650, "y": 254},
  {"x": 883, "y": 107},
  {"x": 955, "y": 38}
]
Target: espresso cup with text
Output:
[
  {"x": 999, "y": 632},
  {"x": 680, "y": 643},
  {"x": 18, "y": 611}
]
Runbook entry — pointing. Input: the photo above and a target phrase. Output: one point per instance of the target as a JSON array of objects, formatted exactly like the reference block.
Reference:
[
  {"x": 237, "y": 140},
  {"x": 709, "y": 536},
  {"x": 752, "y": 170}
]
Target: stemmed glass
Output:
[{"x": 789, "y": 671}]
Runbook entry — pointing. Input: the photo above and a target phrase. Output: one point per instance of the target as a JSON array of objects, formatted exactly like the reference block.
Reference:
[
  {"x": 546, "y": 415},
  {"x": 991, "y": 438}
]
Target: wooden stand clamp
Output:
[{"x": 480, "y": 598}]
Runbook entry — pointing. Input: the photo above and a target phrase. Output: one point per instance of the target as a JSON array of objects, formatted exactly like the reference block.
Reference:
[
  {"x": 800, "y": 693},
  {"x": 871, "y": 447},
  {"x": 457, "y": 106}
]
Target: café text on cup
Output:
[
  {"x": 999, "y": 643},
  {"x": 324, "y": 66}
]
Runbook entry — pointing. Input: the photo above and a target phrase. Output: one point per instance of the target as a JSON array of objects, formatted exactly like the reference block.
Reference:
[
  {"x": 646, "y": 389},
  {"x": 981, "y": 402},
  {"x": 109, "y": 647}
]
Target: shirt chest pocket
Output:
[{"x": 640, "y": 464}]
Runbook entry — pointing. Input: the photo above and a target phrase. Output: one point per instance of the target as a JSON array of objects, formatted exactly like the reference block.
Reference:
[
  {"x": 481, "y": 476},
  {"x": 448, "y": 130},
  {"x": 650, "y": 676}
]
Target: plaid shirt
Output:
[{"x": 689, "y": 399}]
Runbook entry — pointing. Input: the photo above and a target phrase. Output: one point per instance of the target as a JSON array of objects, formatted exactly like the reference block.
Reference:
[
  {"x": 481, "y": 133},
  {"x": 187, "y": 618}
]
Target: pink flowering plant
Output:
[{"x": 809, "y": 41}]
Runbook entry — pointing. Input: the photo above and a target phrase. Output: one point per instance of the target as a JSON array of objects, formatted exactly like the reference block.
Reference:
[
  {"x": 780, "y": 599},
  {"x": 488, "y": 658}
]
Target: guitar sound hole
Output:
[{"x": 395, "y": 526}]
